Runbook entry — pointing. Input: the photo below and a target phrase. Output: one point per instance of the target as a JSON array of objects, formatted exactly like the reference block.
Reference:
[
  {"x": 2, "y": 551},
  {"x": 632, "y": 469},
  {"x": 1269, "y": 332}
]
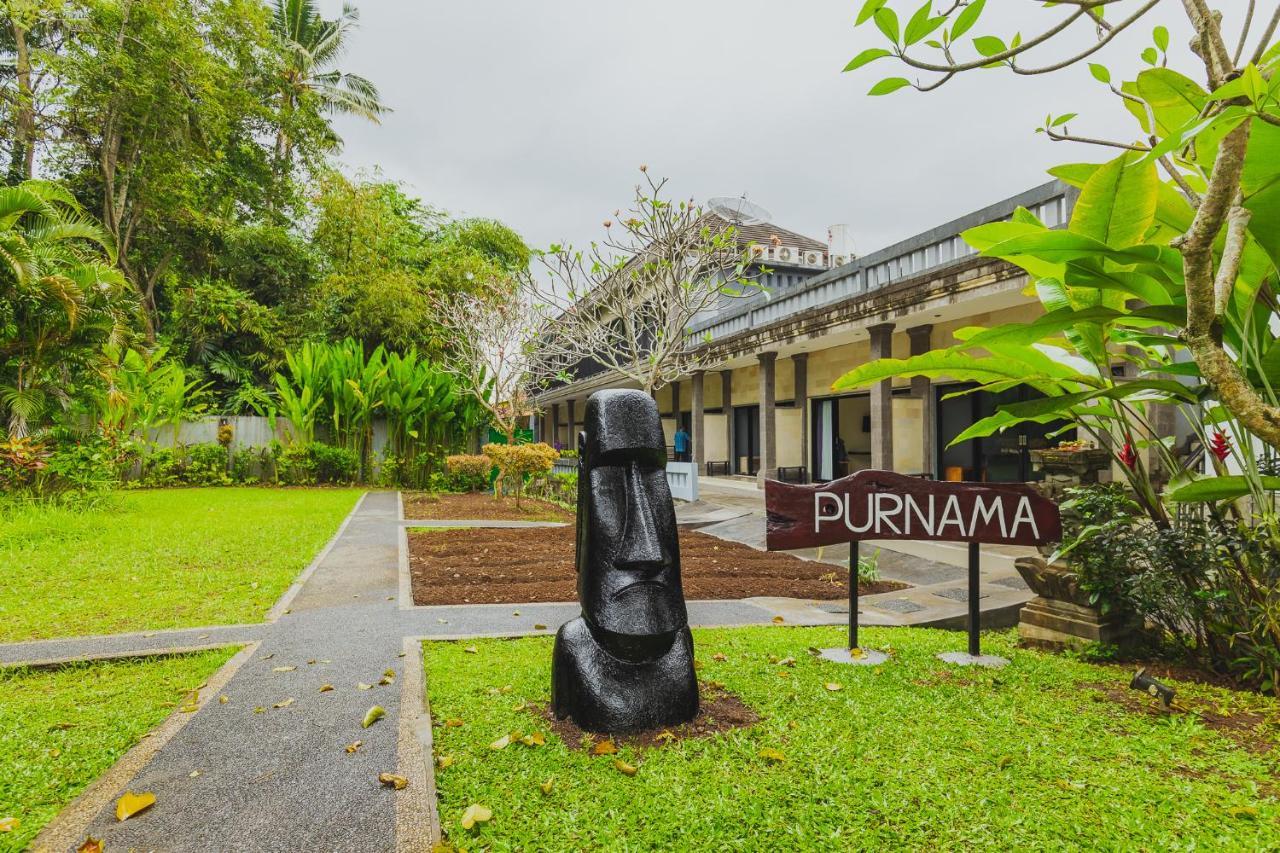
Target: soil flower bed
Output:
[
  {"x": 480, "y": 505},
  {"x": 496, "y": 566},
  {"x": 913, "y": 754}
]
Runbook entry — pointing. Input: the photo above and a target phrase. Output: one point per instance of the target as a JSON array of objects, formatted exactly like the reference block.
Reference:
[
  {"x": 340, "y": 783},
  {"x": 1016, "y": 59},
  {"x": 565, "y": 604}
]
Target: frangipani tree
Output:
[
  {"x": 628, "y": 302},
  {"x": 1170, "y": 257}
]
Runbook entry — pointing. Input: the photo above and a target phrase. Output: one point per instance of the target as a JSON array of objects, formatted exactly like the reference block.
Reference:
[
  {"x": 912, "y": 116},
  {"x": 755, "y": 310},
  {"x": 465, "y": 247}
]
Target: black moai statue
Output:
[{"x": 626, "y": 663}]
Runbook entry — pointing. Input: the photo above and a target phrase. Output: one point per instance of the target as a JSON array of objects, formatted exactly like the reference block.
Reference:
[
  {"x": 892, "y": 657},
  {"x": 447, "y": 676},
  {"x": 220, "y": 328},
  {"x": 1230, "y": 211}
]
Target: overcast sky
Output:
[{"x": 539, "y": 113}]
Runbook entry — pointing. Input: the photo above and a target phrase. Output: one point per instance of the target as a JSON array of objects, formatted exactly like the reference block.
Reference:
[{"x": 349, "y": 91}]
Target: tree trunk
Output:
[
  {"x": 22, "y": 164},
  {"x": 1204, "y": 327}
]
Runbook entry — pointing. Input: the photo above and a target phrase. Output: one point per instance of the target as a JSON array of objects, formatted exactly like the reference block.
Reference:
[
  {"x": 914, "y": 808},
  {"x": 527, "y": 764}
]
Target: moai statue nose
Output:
[{"x": 641, "y": 547}]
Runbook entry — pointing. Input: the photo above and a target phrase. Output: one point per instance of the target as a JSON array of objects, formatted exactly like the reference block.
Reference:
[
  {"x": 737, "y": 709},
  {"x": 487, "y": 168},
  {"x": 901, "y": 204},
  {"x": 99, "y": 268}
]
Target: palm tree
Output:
[
  {"x": 61, "y": 297},
  {"x": 311, "y": 47}
]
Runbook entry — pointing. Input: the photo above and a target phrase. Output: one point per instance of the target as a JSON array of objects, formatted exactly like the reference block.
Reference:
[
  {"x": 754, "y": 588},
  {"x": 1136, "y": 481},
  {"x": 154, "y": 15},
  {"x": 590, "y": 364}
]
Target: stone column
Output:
[
  {"x": 573, "y": 435},
  {"x": 726, "y": 405},
  {"x": 675, "y": 401},
  {"x": 922, "y": 387},
  {"x": 555, "y": 424},
  {"x": 768, "y": 420},
  {"x": 699, "y": 431},
  {"x": 800, "y": 361},
  {"x": 882, "y": 401}
]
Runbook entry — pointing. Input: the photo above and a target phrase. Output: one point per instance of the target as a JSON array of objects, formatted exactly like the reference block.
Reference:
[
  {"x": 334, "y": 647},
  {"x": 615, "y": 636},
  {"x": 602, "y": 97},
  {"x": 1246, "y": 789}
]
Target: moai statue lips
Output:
[{"x": 627, "y": 662}]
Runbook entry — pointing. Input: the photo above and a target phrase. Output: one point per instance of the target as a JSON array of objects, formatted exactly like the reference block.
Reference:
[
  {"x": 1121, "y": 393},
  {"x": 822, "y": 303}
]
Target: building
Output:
[{"x": 764, "y": 406}]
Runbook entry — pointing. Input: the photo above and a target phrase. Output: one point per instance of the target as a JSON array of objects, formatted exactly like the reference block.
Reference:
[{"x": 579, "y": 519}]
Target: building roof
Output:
[{"x": 764, "y": 232}]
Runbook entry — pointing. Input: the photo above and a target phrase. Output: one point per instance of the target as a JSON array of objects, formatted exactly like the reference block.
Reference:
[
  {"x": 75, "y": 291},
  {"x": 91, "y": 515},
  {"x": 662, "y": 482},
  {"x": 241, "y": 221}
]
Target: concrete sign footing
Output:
[
  {"x": 965, "y": 659},
  {"x": 868, "y": 657}
]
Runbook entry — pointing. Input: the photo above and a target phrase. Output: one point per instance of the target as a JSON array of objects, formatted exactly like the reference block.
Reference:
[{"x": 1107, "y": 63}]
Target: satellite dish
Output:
[{"x": 738, "y": 210}]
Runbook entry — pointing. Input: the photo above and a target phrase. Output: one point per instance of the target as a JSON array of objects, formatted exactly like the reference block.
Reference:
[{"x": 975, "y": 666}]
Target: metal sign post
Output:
[
  {"x": 885, "y": 505},
  {"x": 855, "y": 654}
]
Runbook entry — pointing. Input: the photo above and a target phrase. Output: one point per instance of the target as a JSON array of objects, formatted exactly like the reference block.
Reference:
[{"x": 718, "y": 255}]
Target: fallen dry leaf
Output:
[
  {"x": 453, "y": 723},
  {"x": 474, "y": 814},
  {"x": 353, "y": 746},
  {"x": 719, "y": 656},
  {"x": 9, "y": 824},
  {"x": 787, "y": 662},
  {"x": 666, "y": 735},
  {"x": 501, "y": 743},
  {"x": 325, "y": 688},
  {"x": 535, "y": 739},
  {"x": 623, "y": 767},
  {"x": 131, "y": 804},
  {"x": 222, "y": 700},
  {"x": 772, "y": 754},
  {"x": 371, "y": 716},
  {"x": 259, "y": 709},
  {"x": 385, "y": 680},
  {"x": 283, "y": 668},
  {"x": 90, "y": 845},
  {"x": 193, "y": 774},
  {"x": 539, "y": 627},
  {"x": 363, "y": 686},
  {"x": 833, "y": 686},
  {"x": 392, "y": 780},
  {"x": 548, "y": 785},
  {"x": 604, "y": 747},
  {"x": 520, "y": 706},
  {"x": 471, "y": 650},
  {"x": 778, "y": 620},
  {"x": 444, "y": 761},
  {"x": 389, "y": 673},
  {"x": 285, "y": 703},
  {"x": 189, "y": 709},
  {"x": 515, "y": 612}
]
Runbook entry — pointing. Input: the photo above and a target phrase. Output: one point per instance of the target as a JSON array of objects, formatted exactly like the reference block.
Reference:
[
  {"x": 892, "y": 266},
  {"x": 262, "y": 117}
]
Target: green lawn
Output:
[
  {"x": 159, "y": 559},
  {"x": 913, "y": 754},
  {"x": 62, "y": 728}
]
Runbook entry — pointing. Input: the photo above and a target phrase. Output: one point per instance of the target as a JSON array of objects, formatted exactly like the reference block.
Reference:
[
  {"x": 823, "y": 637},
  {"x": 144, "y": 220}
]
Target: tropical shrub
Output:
[
  {"x": 334, "y": 465},
  {"x": 470, "y": 472},
  {"x": 316, "y": 464},
  {"x": 515, "y": 462},
  {"x": 205, "y": 465},
  {"x": 21, "y": 461}
]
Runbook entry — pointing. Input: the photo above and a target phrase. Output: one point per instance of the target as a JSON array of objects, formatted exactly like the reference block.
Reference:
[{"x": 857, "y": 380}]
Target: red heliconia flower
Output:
[
  {"x": 1220, "y": 446},
  {"x": 1128, "y": 455}
]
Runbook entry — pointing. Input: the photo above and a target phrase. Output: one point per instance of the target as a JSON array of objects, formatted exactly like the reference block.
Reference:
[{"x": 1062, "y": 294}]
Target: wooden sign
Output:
[{"x": 885, "y": 505}]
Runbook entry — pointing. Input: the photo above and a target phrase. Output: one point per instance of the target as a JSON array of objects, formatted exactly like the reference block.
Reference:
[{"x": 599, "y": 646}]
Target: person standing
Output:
[{"x": 682, "y": 444}]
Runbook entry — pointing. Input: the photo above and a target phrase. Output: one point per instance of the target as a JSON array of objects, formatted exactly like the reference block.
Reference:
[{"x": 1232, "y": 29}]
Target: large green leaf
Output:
[
  {"x": 1219, "y": 488},
  {"x": 1261, "y": 186},
  {"x": 1118, "y": 203},
  {"x": 1102, "y": 277},
  {"x": 992, "y": 424},
  {"x": 1173, "y": 211},
  {"x": 952, "y": 364},
  {"x": 1174, "y": 98}
]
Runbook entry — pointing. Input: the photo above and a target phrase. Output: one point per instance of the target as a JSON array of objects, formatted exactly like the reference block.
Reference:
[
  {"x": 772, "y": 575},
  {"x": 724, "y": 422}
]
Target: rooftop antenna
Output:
[{"x": 738, "y": 210}]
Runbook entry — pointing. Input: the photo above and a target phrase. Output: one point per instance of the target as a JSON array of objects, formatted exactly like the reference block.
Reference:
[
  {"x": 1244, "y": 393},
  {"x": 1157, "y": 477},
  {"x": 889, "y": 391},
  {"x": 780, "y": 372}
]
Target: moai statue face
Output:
[{"x": 628, "y": 557}]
